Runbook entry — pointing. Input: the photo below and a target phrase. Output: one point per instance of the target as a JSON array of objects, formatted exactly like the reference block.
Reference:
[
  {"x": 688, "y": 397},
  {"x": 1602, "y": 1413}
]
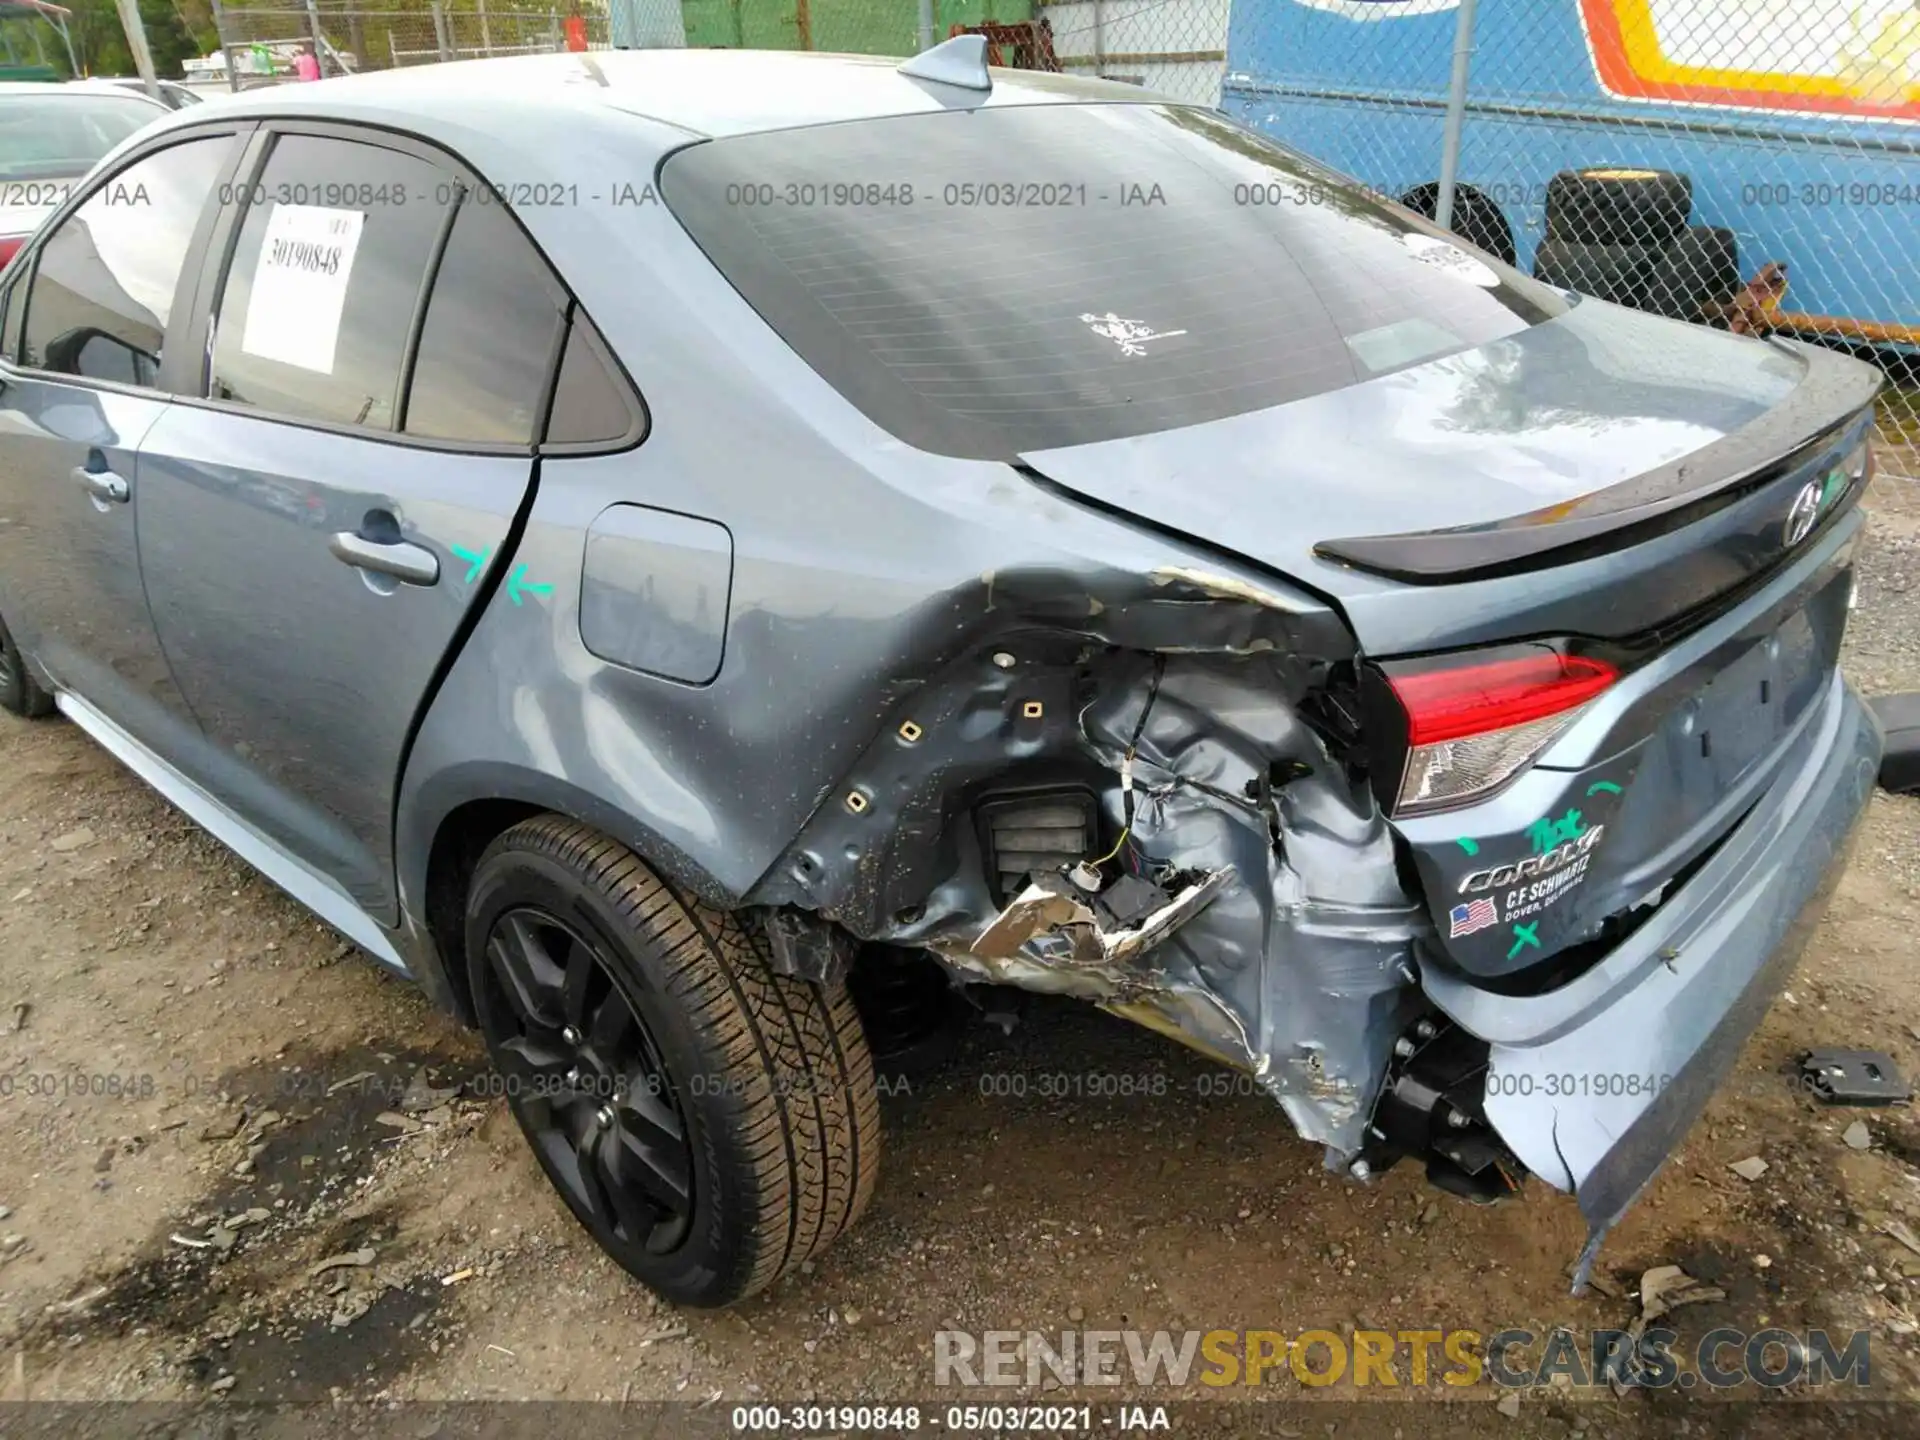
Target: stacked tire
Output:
[
  {"x": 1476, "y": 219},
  {"x": 1624, "y": 235}
]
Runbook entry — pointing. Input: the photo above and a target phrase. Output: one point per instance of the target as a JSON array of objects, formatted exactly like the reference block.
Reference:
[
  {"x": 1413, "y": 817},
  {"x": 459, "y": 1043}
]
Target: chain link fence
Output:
[
  {"x": 264, "y": 44},
  {"x": 1751, "y": 164}
]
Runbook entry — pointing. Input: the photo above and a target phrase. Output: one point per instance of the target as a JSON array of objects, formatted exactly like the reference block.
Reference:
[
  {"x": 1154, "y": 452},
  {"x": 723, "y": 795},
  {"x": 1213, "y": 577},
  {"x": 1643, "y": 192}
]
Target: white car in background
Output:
[
  {"x": 50, "y": 136},
  {"x": 173, "y": 94}
]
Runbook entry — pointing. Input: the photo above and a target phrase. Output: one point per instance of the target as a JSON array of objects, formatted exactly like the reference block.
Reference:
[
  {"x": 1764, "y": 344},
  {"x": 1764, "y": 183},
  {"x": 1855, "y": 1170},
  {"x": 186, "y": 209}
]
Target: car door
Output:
[
  {"x": 380, "y": 338},
  {"x": 89, "y": 311}
]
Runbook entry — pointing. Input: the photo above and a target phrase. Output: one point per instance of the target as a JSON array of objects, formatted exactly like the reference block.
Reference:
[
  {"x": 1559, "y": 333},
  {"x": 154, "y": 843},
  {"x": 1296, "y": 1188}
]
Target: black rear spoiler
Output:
[{"x": 1827, "y": 402}]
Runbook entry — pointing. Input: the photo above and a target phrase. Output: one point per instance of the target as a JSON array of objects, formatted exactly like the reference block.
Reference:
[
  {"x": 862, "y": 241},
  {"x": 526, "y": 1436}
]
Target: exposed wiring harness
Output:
[
  {"x": 1126, "y": 761},
  {"x": 1259, "y": 804}
]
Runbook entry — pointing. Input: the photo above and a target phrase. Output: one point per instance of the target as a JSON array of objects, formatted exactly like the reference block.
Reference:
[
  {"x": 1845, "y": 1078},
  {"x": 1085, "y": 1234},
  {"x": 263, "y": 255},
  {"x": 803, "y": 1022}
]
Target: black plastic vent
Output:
[{"x": 1040, "y": 830}]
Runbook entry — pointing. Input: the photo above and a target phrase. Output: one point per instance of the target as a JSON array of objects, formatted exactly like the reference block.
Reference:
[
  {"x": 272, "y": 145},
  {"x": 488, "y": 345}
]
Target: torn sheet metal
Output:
[
  {"x": 1257, "y": 913},
  {"x": 1051, "y": 906},
  {"x": 1289, "y": 958},
  {"x": 1223, "y": 587}
]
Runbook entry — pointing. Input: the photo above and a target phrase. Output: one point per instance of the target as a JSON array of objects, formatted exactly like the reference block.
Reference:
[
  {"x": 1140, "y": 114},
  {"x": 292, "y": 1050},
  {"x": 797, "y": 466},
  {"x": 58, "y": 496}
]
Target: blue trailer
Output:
[{"x": 1793, "y": 126}]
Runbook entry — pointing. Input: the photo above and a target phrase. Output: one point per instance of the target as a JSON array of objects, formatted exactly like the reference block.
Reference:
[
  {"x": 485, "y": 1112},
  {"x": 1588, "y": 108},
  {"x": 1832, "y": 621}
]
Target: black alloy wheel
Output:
[
  {"x": 588, "y": 1081},
  {"x": 712, "y": 1123}
]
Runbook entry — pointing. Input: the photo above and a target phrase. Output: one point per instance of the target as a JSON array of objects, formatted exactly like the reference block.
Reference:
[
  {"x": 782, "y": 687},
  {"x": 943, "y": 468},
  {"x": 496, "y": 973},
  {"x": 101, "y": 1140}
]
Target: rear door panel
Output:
[
  {"x": 303, "y": 669},
  {"x": 306, "y": 664}
]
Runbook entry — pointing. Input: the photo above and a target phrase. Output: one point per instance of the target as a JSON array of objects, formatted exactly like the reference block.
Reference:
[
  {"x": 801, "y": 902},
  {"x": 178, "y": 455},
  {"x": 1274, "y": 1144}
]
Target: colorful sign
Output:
[{"x": 1862, "y": 59}]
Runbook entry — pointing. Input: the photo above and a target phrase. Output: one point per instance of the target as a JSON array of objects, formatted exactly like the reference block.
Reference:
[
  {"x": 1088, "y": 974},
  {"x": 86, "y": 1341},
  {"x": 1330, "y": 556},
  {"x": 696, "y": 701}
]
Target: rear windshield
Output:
[
  {"x": 55, "y": 135},
  {"x": 990, "y": 282}
]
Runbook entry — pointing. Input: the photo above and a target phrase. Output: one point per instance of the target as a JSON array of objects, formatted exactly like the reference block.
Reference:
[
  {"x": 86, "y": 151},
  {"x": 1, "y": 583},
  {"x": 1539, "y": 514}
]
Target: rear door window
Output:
[
  {"x": 986, "y": 282},
  {"x": 325, "y": 278},
  {"x": 492, "y": 327},
  {"x": 102, "y": 290}
]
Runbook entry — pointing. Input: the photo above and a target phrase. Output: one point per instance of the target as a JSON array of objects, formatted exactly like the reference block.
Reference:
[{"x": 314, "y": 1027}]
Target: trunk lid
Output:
[
  {"x": 1606, "y": 476},
  {"x": 1525, "y": 466}
]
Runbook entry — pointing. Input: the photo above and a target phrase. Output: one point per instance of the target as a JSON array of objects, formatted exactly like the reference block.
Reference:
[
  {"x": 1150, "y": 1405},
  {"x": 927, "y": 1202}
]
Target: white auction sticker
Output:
[
  {"x": 300, "y": 285},
  {"x": 1443, "y": 255}
]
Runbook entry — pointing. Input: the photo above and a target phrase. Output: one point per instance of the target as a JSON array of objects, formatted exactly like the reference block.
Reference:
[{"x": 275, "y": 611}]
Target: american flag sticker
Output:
[{"x": 1474, "y": 915}]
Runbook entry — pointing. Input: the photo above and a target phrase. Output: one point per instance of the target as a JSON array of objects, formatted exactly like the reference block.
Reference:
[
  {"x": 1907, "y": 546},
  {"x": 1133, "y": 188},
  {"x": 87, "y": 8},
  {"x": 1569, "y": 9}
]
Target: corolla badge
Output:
[{"x": 1803, "y": 514}]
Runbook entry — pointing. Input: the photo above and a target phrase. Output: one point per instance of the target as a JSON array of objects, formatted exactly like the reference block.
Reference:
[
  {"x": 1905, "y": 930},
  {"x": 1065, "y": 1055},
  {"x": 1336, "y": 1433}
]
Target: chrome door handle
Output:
[
  {"x": 413, "y": 564},
  {"x": 103, "y": 484}
]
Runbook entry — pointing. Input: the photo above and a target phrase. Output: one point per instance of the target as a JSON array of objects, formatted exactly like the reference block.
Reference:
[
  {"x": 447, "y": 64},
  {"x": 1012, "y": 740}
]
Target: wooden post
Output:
[{"x": 136, "y": 29}]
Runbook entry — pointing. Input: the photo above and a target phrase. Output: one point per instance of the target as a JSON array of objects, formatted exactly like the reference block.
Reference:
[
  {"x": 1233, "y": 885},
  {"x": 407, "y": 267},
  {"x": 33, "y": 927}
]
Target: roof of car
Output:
[
  {"x": 53, "y": 89},
  {"x": 703, "y": 92}
]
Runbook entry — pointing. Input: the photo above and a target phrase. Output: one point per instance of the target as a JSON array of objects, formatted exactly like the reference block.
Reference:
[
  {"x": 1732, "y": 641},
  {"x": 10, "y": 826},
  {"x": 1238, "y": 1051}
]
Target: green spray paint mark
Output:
[
  {"x": 475, "y": 563},
  {"x": 1835, "y": 485},
  {"x": 1523, "y": 936},
  {"x": 1603, "y": 787},
  {"x": 1472, "y": 847},
  {"x": 518, "y": 584},
  {"x": 1546, "y": 833}
]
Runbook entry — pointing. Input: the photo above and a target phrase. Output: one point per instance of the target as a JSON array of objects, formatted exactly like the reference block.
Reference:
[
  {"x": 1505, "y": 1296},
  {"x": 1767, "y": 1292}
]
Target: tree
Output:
[
  {"x": 167, "y": 37},
  {"x": 100, "y": 41}
]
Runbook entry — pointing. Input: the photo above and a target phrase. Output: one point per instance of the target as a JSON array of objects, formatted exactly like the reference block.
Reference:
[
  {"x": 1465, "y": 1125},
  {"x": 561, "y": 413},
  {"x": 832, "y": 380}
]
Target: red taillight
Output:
[
  {"x": 10, "y": 247},
  {"x": 1468, "y": 700},
  {"x": 1474, "y": 725}
]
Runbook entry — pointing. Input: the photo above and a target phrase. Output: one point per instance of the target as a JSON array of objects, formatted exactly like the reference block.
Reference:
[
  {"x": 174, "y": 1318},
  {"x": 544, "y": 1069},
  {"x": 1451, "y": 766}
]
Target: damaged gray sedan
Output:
[{"x": 736, "y": 520}]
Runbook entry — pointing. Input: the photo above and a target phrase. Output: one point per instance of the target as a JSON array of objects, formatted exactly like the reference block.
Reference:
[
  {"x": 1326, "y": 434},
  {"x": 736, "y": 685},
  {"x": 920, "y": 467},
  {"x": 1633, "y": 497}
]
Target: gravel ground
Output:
[{"x": 283, "y": 1186}]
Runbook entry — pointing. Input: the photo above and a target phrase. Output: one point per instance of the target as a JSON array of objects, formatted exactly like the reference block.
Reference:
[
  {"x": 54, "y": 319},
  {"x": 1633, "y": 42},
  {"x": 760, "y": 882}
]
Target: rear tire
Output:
[
  {"x": 19, "y": 691},
  {"x": 710, "y": 1123},
  {"x": 1615, "y": 206}
]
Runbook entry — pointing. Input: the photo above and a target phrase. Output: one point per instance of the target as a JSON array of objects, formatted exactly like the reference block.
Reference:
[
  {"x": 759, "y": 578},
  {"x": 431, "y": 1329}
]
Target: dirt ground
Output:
[{"x": 204, "y": 1094}]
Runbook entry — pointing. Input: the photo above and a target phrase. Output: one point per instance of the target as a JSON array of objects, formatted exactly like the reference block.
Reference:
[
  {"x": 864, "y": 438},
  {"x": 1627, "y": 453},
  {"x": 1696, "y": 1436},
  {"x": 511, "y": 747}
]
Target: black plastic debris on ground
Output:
[{"x": 1853, "y": 1077}]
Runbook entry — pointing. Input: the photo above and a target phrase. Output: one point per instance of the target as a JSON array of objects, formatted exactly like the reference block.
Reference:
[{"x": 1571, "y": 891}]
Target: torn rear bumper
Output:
[{"x": 1594, "y": 1084}]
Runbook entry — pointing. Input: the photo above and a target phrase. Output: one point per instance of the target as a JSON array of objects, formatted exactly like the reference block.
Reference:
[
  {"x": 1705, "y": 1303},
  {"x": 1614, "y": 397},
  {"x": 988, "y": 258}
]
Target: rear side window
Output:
[
  {"x": 325, "y": 277},
  {"x": 102, "y": 289},
  {"x": 487, "y": 346},
  {"x": 591, "y": 405},
  {"x": 991, "y": 282}
]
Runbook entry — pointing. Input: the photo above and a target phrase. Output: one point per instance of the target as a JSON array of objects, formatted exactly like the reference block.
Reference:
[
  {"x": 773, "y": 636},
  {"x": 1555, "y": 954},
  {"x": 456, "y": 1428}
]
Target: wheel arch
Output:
[{"x": 447, "y": 824}]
